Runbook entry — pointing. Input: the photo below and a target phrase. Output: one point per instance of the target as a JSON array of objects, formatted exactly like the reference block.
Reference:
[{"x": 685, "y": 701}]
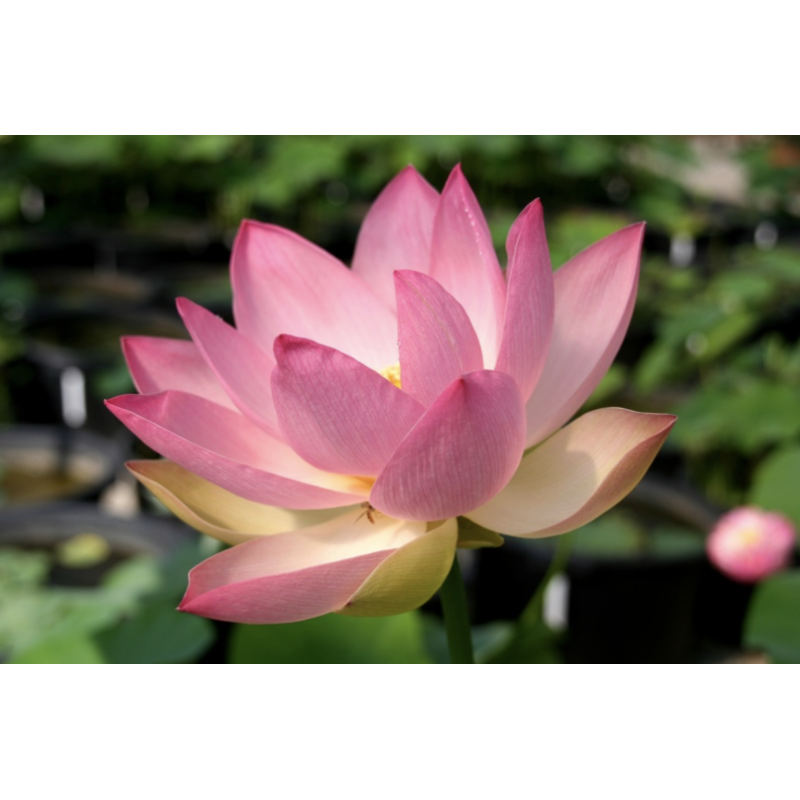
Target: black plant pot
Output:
[{"x": 44, "y": 464}]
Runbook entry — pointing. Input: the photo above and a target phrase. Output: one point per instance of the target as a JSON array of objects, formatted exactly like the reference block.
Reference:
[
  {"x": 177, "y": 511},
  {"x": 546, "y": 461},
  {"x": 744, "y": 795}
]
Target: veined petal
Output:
[
  {"x": 530, "y": 301},
  {"x": 409, "y": 577},
  {"x": 159, "y": 365},
  {"x": 595, "y": 294},
  {"x": 225, "y": 448},
  {"x": 242, "y": 367},
  {"x": 577, "y": 474},
  {"x": 284, "y": 284},
  {"x": 299, "y": 575},
  {"x": 396, "y": 233},
  {"x": 216, "y": 512},
  {"x": 336, "y": 413},
  {"x": 463, "y": 261},
  {"x": 437, "y": 341},
  {"x": 461, "y": 453}
]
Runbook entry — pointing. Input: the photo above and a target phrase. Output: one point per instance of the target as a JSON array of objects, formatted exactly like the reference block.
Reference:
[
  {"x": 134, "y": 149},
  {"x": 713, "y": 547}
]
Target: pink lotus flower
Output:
[
  {"x": 748, "y": 544},
  {"x": 379, "y": 403}
]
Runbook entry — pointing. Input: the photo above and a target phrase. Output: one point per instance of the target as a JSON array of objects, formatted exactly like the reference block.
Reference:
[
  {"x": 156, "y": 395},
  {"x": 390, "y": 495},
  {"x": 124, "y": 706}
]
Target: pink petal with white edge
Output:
[
  {"x": 298, "y": 575},
  {"x": 159, "y": 365},
  {"x": 241, "y": 366},
  {"x": 595, "y": 293},
  {"x": 336, "y": 413},
  {"x": 460, "y": 454},
  {"x": 396, "y": 233},
  {"x": 437, "y": 340},
  {"x": 576, "y": 475},
  {"x": 225, "y": 448},
  {"x": 284, "y": 284},
  {"x": 464, "y": 262},
  {"x": 216, "y": 512},
  {"x": 530, "y": 301}
]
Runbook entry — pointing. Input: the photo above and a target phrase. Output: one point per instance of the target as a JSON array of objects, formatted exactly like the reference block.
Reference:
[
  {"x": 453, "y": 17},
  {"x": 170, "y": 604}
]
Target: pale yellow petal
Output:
[
  {"x": 409, "y": 577},
  {"x": 215, "y": 511},
  {"x": 577, "y": 474}
]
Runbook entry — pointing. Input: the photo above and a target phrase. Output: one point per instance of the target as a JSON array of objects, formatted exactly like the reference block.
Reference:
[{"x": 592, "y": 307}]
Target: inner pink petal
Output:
[
  {"x": 460, "y": 454},
  {"x": 284, "y": 284},
  {"x": 396, "y": 233},
  {"x": 336, "y": 413}
]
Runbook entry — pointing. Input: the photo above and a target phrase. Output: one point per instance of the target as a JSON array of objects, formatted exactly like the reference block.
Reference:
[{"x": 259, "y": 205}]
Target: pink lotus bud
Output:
[{"x": 749, "y": 544}]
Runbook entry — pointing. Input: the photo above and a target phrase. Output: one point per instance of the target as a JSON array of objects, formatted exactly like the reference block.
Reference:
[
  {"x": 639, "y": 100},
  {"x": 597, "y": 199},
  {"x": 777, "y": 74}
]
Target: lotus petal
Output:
[
  {"x": 595, "y": 294},
  {"x": 396, "y": 233},
  {"x": 464, "y": 262},
  {"x": 241, "y": 366},
  {"x": 437, "y": 341},
  {"x": 159, "y": 365},
  {"x": 336, "y": 413},
  {"x": 299, "y": 575},
  {"x": 530, "y": 301},
  {"x": 225, "y": 448},
  {"x": 409, "y": 577},
  {"x": 214, "y": 511},
  {"x": 462, "y": 452},
  {"x": 284, "y": 284},
  {"x": 577, "y": 474}
]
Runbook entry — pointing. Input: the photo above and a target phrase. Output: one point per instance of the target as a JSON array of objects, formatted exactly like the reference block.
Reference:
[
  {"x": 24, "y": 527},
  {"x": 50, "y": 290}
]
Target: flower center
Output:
[
  {"x": 392, "y": 374},
  {"x": 749, "y": 537}
]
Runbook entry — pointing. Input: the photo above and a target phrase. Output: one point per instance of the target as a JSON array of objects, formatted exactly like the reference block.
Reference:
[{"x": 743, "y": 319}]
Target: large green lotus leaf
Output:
[
  {"x": 158, "y": 634},
  {"x": 332, "y": 639},
  {"x": 773, "y": 620},
  {"x": 776, "y": 483}
]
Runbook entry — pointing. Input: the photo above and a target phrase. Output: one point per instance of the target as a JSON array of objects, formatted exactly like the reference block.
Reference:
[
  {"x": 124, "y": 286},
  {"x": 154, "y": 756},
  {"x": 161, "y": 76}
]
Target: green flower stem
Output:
[
  {"x": 456, "y": 618},
  {"x": 533, "y": 613}
]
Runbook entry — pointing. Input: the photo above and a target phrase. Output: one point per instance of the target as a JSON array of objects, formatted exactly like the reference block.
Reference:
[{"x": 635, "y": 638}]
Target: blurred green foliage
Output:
[{"x": 129, "y": 618}]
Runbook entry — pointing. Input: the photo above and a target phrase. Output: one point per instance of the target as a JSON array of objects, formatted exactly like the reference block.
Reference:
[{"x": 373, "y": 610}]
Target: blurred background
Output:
[{"x": 99, "y": 235}]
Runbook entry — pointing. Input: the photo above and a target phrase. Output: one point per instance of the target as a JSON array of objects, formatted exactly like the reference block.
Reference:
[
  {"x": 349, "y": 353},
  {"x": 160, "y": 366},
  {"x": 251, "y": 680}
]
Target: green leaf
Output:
[
  {"x": 773, "y": 621},
  {"x": 776, "y": 482},
  {"x": 332, "y": 639},
  {"x": 74, "y": 649},
  {"x": 158, "y": 634}
]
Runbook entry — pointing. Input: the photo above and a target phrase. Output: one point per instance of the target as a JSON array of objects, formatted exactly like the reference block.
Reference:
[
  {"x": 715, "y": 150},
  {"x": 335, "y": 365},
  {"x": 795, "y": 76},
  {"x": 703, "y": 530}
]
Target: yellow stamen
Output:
[
  {"x": 749, "y": 537},
  {"x": 392, "y": 374}
]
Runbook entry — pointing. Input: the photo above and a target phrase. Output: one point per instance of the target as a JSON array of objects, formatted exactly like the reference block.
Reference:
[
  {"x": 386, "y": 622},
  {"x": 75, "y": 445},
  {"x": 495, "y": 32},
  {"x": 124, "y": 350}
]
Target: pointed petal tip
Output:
[
  {"x": 285, "y": 343},
  {"x": 456, "y": 177}
]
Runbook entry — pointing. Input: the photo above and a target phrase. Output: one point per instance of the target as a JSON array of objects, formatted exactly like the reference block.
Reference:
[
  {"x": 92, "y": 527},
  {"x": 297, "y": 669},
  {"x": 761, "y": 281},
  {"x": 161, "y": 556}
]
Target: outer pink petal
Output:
[
  {"x": 396, "y": 233},
  {"x": 595, "y": 295},
  {"x": 284, "y": 284},
  {"x": 225, "y": 448},
  {"x": 461, "y": 453},
  {"x": 336, "y": 413},
  {"x": 242, "y": 367},
  {"x": 298, "y": 575},
  {"x": 463, "y": 261},
  {"x": 530, "y": 301},
  {"x": 576, "y": 475},
  {"x": 158, "y": 365},
  {"x": 437, "y": 340}
]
